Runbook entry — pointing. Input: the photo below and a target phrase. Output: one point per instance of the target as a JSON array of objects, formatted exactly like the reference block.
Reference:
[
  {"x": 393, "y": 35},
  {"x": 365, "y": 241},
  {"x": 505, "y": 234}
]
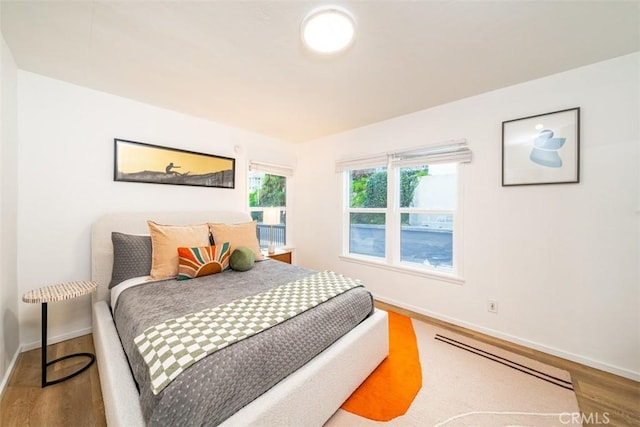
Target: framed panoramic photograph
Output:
[
  {"x": 542, "y": 149},
  {"x": 140, "y": 162}
]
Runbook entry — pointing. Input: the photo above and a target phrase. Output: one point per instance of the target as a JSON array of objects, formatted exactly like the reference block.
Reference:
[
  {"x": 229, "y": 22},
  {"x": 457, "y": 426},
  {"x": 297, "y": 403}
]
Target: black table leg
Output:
[
  {"x": 45, "y": 383},
  {"x": 44, "y": 344}
]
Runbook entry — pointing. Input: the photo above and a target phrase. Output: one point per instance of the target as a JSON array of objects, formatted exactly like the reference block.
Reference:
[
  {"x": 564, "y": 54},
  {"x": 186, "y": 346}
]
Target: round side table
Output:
[{"x": 59, "y": 292}]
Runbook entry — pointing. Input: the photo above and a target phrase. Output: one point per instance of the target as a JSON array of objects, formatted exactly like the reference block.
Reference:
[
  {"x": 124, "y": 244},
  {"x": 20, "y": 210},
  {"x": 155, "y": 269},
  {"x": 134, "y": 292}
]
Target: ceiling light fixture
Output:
[{"x": 329, "y": 29}]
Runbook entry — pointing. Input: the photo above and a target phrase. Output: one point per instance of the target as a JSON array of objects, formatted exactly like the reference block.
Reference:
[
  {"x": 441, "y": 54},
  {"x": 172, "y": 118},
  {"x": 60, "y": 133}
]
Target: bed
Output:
[{"x": 307, "y": 396}]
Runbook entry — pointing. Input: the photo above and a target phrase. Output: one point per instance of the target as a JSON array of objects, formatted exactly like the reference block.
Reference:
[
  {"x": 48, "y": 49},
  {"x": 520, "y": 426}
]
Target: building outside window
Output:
[{"x": 428, "y": 196}]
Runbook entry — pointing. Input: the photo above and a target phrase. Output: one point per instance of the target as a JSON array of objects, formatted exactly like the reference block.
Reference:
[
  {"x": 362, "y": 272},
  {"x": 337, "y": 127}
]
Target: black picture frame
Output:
[
  {"x": 154, "y": 164},
  {"x": 542, "y": 149}
]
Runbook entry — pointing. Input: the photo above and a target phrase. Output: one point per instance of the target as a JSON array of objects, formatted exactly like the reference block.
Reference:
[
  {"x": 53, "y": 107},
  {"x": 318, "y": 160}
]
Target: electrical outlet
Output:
[{"x": 492, "y": 306}]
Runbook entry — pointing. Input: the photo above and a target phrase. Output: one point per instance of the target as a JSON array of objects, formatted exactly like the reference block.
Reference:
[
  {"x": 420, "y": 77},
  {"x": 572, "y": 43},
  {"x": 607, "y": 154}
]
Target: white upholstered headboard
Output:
[{"x": 136, "y": 223}]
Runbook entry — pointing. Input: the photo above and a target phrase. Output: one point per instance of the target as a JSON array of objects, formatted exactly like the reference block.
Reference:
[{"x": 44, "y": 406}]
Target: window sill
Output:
[{"x": 431, "y": 274}]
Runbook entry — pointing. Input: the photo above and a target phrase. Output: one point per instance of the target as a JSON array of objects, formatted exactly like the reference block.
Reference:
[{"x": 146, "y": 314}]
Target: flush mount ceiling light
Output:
[{"x": 329, "y": 29}]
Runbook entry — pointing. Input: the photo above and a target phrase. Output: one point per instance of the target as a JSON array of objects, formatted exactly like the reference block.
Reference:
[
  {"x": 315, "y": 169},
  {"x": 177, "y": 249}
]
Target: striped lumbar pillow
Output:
[{"x": 198, "y": 262}]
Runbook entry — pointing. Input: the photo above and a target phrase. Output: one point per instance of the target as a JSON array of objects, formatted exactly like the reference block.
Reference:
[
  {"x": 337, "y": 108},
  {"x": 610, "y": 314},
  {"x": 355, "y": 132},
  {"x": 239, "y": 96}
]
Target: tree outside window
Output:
[{"x": 267, "y": 190}]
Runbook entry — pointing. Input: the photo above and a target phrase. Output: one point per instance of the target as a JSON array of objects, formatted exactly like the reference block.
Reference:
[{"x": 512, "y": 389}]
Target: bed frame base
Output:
[
  {"x": 119, "y": 391},
  {"x": 309, "y": 396}
]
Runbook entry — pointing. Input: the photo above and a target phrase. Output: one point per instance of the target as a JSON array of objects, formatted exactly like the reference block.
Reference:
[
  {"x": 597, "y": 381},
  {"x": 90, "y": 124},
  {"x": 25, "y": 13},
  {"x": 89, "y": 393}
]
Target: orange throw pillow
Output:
[
  {"x": 198, "y": 262},
  {"x": 237, "y": 235},
  {"x": 165, "y": 241}
]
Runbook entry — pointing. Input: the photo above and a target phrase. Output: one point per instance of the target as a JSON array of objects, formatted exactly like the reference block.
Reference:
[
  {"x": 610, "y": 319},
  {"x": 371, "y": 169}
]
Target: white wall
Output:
[
  {"x": 560, "y": 260},
  {"x": 66, "y": 182},
  {"x": 9, "y": 336}
]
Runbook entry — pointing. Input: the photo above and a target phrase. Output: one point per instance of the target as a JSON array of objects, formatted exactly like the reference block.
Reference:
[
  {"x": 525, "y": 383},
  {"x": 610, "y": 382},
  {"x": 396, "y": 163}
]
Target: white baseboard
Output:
[
  {"x": 514, "y": 339},
  {"x": 56, "y": 339},
  {"x": 7, "y": 375}
]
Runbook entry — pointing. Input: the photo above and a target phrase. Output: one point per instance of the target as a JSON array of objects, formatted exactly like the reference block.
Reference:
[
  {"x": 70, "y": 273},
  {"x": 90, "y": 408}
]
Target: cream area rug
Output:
[{"x": 468, "y": 383}]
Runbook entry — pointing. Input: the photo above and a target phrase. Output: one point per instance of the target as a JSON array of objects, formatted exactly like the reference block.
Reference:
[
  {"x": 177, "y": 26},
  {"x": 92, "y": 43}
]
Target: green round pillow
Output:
[{"x": 242, "y": 259}]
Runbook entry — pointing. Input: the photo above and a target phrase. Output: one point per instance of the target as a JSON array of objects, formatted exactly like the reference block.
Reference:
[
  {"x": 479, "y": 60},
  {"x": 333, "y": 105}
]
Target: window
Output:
[
  {"x": 427, "y": 210},
  {"x": 268, "y": 189},
  {"x": 368, "y": 211},
  {"x": 401, "y": 209}
]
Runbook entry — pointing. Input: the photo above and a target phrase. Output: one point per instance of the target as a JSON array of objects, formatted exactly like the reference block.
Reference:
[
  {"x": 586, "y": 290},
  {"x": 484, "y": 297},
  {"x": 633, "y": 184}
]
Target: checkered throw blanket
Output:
[{"x": 172, "y": 346}]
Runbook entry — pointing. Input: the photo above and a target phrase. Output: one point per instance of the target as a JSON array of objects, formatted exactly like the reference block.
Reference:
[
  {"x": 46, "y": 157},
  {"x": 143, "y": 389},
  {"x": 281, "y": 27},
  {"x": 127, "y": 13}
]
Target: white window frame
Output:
[{"x": 446, "y": 152}]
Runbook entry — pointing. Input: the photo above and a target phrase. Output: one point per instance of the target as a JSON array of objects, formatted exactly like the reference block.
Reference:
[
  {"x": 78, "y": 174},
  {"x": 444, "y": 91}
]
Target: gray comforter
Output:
[{"x": 216, "y": 387}]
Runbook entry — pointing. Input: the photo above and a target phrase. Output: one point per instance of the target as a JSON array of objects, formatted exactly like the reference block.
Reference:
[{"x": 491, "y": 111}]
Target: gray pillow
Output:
[{"x": 131, "y": 257}]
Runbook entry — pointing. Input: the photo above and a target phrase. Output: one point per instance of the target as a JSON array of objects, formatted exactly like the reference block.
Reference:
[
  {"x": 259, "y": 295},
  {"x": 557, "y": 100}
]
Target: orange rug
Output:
[{"x": 389, "y": 391}]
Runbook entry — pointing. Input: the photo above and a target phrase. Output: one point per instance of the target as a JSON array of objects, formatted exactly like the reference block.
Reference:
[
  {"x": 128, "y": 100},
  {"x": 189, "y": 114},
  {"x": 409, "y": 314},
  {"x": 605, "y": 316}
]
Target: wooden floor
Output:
[
  {"x": 75, "y": 402},
  {"x": 604, "y": 399}
]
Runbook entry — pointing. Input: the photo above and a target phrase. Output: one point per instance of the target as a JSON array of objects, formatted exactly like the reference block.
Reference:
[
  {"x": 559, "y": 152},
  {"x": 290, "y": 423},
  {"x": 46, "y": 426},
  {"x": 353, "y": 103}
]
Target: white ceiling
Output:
[{"x": 242, "y": 63}]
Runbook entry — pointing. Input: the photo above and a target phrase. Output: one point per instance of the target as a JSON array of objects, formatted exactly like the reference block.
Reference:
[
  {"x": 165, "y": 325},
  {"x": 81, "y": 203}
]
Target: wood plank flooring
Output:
[
  {"x": 604, "y": 399},
  {"x": 601, "y": 396},
  {"x": 75, "y": 402}
]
